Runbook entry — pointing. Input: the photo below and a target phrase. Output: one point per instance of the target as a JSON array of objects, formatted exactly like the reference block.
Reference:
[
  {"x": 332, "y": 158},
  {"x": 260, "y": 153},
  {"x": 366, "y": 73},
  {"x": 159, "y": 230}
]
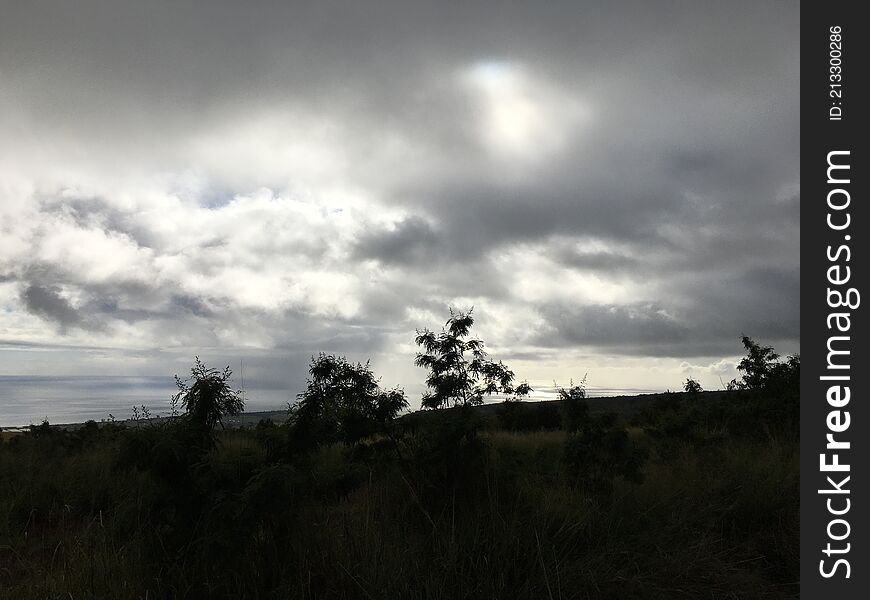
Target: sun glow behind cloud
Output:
[{"x": 521, "y": 116}]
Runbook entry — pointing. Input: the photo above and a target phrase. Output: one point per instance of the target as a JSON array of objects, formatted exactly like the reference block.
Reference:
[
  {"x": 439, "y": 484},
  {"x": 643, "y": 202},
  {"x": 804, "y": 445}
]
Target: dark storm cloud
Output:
[
  {"x": 764, "y": 302},
  {"x": 630, "y": 325},
  {"x": 411, "y": 241},
  {"x": 165, "y": 66},
  {"x": 701, "y": 317},
  {"x": 130, "y": 303},
  {"x": 48, "y": 303},
  {"x": 611, "y": 262},
  {"x": 681, "y": 184},
  {"x": 124, "y": 303}
]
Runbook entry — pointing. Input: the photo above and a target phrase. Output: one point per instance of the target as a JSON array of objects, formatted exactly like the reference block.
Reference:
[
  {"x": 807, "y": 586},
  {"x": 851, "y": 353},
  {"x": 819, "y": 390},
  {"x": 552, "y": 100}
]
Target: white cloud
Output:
[{"x": 536, "y": 275}]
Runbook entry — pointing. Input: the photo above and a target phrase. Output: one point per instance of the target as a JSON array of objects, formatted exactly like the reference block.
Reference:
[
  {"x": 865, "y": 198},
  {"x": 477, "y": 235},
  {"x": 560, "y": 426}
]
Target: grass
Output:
[{"x": 81, "y": 517}]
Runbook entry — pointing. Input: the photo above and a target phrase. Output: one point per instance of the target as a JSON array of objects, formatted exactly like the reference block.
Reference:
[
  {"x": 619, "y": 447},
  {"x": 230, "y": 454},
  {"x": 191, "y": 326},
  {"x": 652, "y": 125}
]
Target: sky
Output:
[{"x": 613, "y": 186}]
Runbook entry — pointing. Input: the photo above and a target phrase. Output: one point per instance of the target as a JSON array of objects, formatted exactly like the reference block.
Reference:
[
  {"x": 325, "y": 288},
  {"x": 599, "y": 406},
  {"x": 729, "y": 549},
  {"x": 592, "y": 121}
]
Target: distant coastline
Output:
[
  {"x": 74, "y": 399},
  {"x": 620, "y": 403}
]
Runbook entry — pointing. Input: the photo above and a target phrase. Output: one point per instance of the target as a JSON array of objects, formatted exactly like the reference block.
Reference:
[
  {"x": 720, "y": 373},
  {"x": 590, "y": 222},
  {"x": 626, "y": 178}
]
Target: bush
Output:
[
  {"x": 575, "y": 409},
  {"x": 448, "y": 452},
  {"x": 692, "y": 387},
  {"x": 343, "y": 402},
  {"x": 597, "y": 450},
  {"x": 207, "y": 398}
]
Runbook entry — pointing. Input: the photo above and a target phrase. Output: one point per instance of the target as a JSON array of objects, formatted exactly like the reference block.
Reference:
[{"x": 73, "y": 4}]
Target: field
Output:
[{"x": 697, "y": 497}]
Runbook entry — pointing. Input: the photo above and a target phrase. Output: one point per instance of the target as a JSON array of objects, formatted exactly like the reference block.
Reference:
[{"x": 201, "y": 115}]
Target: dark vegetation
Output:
[{"x": 689, "y": 495}]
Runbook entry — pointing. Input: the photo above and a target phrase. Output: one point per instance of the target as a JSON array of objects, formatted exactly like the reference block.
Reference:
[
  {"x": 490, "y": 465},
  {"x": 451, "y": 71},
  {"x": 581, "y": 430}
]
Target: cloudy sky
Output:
[{"x": 612, "y": 185}]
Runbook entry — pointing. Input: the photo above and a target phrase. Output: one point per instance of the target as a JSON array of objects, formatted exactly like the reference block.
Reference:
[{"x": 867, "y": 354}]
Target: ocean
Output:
[
  {"x": 26, "y": 400},
  {"x": 31, "y": 399}
]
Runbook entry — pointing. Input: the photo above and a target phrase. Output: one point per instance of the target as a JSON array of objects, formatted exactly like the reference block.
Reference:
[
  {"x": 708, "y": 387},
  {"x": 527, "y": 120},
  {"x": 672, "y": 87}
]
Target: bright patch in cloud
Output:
[
  {"x": 537, "y": 277},
  {"x": 521, "y": 116}
]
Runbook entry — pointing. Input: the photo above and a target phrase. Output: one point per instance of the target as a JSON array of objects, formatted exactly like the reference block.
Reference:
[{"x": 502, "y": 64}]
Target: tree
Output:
[
  {"x": 453, "y": 378},
  {"x": 756, "y": 365},
  {"x": 207, "y": 397},
  {"x": 785, "y": 376},
  {"x": 773, "y": 387},
  {"x": 343, "y": 402},
  {"x": 692, "y": 387}
]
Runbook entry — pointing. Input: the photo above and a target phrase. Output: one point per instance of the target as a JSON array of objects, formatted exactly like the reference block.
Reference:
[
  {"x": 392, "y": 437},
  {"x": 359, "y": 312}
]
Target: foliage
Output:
[
  {"x": 756, "y": 365},
  {"x": 516, "y": 415},
  {"x": 692, "y": 387},
  {"x": 42, "y": 430},
  {"x": 207, "y": 396},
  {"x": 141, "y": 414},
  {"x": 598, "y": 453},
  {"x": 447, "y": 453},
  {"x": 575, "y": 410},
  {"x": 342, "y": 402},
  {"x": 785, "y": 376},
  {"x": 774, "y": 383},
  {"x": 597, "y": 449},
  {"x": 77, "y": 524},
  {"x": 454, "y": 378},
  {"x": 765, "y": 404},
  {"x": 762, "y": 368}
]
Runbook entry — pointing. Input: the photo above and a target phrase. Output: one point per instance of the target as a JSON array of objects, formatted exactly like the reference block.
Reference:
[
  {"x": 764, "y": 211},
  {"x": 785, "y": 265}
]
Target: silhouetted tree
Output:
[
  {"x": 343, "y": 402},
  {"x": 785, "y": 375},
  {"x": 692, "y": 387},
  {"x": 756, "y": 365},
  {"x": 207, "y": 397},
  {"x": 454, "y": 378},
  {"x": 44, "y": 429},
  {"x": 764, "y": 371}
]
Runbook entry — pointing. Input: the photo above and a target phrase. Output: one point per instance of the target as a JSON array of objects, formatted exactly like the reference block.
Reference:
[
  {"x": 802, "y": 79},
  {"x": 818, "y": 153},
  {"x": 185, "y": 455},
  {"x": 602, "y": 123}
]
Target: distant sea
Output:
[{"x": 29, "y": 399}]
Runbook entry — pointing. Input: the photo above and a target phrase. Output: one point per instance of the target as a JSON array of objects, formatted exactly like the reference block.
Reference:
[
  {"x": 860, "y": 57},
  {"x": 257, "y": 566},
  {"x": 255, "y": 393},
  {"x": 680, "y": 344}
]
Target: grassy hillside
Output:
[
  {"x": 442, "y": 507},
  {"x": 625, "y": 407}
]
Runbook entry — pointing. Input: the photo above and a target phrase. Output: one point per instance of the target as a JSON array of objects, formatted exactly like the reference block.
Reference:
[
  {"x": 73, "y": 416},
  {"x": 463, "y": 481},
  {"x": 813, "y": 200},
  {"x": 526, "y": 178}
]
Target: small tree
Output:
[
  {"x": 454, "y": 378},
  {"x": 756, "y": 365},
  {"x": 207, "y": 397},
  {"x": 343, "y": 402},
  {"x": 692, "y": 387}
]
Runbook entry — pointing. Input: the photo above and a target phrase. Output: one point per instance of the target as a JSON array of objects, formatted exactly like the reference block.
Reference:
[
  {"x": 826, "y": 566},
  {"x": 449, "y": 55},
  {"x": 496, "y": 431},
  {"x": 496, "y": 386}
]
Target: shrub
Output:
[
  {"x": 597, "y": 450},
  {"x": 342, "y": 402},
  {"x": 575, "y": 410},
  {"x": 692, "y": 387},
  {"x": 598, "y": 453},
  {"x": 448, "y": 452},
  {"x": 207, "y": 396}
]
